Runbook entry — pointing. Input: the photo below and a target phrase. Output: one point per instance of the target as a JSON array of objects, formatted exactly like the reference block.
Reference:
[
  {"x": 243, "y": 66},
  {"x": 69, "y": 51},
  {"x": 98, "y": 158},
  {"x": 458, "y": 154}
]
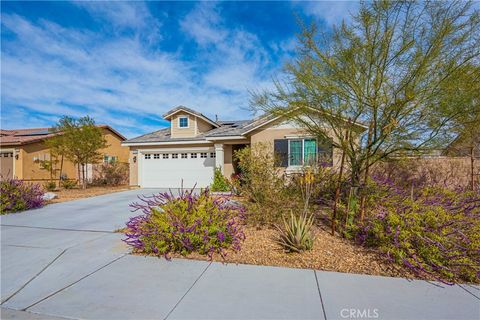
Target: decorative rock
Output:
[
  {"x": 233, "y": 203},
  {"x": 49, "y": 196},
  {"x": 221, "y": 193}
]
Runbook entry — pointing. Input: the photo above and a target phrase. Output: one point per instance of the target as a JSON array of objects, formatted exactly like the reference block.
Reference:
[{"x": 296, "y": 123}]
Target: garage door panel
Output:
[{"x": 169, "y": 173}]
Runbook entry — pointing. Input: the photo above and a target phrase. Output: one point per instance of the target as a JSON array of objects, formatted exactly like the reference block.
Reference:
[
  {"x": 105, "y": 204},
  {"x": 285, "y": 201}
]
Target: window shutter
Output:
[
  {"x": 280, "y": 148},
  {"x": 325, "y": 153}
]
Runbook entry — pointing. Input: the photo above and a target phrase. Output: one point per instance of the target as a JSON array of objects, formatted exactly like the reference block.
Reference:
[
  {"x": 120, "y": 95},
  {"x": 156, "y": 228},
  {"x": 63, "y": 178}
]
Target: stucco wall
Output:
[
  {"x": 115, "y": 147},
  {"x": 228, "y": 159},
  {"x": 276, "y": 131},
  {"x": 133, "y": 167},
  {"x": 31, "y": 155}
]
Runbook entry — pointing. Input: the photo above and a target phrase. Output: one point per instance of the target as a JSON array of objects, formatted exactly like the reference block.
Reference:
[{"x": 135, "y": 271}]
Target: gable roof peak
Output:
[{"x": 175, "y": 110}]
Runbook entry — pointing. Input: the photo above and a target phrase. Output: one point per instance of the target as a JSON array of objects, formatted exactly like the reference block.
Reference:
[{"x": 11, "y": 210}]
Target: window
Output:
[
  {"x": 212, "y": 154},
  {"x": 106, "y": 159},
  {"x": 193, "y": 155},
  {"x": 165, "y": 156},
  {"x": 147, "y": 156},
  {"x": 203, "y": 155},
  {"x": 156, "y": 156},
  {"x": 309, "y": 151},
  {"x": 174, "y": 155},
  {"x": 302, "y": 152},
  {"x": 183, "y": 122},
  {"x": 295, "y": 151},
  {"x": 184, "y": 155}
]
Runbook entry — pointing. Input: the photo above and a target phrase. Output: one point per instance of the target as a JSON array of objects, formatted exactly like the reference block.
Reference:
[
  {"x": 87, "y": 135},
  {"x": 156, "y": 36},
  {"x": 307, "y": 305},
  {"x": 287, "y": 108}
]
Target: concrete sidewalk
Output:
[{"x": 49, "y": 270}]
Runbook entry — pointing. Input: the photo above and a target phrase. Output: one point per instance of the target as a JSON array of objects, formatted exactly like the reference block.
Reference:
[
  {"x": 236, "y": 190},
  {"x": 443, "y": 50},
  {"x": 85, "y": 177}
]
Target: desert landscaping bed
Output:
[
  {"x": 329, "y": 253},
  {"x": 73, "y": 194}
]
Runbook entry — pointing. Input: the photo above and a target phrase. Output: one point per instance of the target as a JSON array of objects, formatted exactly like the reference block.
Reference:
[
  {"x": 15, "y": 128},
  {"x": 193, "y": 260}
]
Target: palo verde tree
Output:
[
  {"x": 462, "y": 97},
  {"x": 385, "y": 70},
  {"x": 80, "y": 142}
]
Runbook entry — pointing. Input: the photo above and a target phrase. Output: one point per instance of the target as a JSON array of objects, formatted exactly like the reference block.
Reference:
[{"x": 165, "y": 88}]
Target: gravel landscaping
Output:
[
  {"x": 329, "y": 253},
  {"x": 72, "y": 194}
]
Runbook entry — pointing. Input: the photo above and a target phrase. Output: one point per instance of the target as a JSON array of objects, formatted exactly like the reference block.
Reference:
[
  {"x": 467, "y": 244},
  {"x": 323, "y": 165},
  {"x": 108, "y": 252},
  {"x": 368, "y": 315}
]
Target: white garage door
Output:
[{"x": 168, "y": 169}]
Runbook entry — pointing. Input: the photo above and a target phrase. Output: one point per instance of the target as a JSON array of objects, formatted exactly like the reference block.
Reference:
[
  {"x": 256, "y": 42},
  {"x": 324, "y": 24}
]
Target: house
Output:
[
  {"x": 187, "y": 152},
  {"x": 464, "y": 145},
  {"x": 21, "y": 151}
]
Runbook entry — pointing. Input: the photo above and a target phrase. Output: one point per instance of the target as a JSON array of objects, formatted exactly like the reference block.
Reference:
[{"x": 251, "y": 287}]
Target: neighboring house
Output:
[
  {"x": 464, "y": 146},
  {"x": 194, "y": 145},
  {"x": 21, "y": 151}
]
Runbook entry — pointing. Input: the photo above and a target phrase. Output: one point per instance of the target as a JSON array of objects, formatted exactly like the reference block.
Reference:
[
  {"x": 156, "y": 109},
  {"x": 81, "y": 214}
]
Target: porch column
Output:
[{"x": 219, "y": 157}]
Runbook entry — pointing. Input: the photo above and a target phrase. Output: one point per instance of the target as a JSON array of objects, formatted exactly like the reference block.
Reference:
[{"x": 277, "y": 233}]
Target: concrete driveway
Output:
[{"x": 64, "y": 261}]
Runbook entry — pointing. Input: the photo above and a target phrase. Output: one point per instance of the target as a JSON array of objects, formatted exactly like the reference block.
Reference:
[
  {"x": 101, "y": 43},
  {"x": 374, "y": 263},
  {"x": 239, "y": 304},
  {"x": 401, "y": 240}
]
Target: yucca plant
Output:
[{"x": 296, "y": 234}]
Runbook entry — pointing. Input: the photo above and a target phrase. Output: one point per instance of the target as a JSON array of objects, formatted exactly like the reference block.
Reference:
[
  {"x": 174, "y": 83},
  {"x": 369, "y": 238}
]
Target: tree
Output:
[
  {"x": 464, "y": 97},
  {"x": 80, "y": 141},
  {"x": 385, "y": 70},
  {"x": 57, "y": 147}
]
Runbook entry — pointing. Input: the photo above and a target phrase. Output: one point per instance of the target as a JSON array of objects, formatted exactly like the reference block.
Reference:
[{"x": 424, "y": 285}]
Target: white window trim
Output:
[{"x": 188, "y": 122}]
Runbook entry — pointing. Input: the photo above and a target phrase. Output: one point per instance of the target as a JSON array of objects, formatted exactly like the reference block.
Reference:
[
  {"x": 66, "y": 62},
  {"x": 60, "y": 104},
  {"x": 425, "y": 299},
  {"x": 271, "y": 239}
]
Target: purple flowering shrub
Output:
[
  {"x": 433, "y": 231},
  {"x": 16, "y": 195},
  {"x": 184, "y": 224}
]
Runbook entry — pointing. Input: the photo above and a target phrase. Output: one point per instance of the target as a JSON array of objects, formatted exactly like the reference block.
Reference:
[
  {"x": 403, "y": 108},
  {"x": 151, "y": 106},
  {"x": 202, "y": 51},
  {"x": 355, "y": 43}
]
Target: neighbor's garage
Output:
[
  {"x": 6, "y": 164},
  {"x": 160, "y": 169}
]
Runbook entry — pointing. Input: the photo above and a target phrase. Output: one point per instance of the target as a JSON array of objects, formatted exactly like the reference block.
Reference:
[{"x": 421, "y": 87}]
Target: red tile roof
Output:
[{"x": 17, "y": 137}]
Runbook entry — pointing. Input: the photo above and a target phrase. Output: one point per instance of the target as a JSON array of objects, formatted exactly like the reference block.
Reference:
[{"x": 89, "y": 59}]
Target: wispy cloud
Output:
[
  {"x": 121, "y": 73},
  {"x": 333, "y": 12},
  {"x": 51, "y": 70}
]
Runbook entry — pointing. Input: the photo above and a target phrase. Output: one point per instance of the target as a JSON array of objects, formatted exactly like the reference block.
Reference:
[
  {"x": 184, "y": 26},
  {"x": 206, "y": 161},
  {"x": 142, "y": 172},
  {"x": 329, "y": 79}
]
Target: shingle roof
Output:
[
  {"x": 225, "y": 129},
  {"x": 229, "y": 128},
  {"x": 162, "y": 135},
  {"x": 24, "y": 136}
]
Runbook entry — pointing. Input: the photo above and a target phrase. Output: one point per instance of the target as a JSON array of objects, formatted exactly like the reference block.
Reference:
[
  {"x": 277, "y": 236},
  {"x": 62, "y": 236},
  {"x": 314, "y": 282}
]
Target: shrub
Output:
[
  {"x": 220, "y": 184},
  {"x": 111, "y": 174},
  {"x": 186, "y": 223},
  {"x": 296, "y": 234},
  {"x": 433, "y": 231},
  {"x": 17, "y": 195},
  {"x": 50, "y": 186},
  {"x": 69, "y": 184},
  {"x": 265, "y": 188}
]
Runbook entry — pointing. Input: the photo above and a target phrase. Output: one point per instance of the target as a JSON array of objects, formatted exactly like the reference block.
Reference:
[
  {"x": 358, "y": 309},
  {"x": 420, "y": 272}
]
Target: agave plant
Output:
[{"x": 296, "y": 234}]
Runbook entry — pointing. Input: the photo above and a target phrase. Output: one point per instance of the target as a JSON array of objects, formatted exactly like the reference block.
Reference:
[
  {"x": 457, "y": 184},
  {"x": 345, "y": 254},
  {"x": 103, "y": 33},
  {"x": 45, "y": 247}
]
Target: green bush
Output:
[
  {"x": 69, "y": 184},
  {"x": 220, "y": 184},
  {"x": 50, "y": 186},
  {"x": 266, "y": 190},
  {"x": 186, "y": 223},
  {"x": 110, "y": 174}
]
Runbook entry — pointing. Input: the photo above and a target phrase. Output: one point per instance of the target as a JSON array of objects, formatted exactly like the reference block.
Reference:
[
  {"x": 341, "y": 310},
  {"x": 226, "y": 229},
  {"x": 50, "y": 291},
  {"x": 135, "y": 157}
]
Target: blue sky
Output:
[{"x": 127, "y": 63}]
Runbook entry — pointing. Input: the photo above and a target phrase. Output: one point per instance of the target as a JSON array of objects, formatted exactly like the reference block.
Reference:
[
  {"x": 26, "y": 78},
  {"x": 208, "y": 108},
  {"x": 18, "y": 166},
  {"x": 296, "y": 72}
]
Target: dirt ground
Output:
[
  {"x": 329, "y": 253},
  {"x": 72, "y": 194}
]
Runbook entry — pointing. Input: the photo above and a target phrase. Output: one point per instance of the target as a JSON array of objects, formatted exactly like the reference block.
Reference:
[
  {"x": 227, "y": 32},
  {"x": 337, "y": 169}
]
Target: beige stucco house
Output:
[
  {"x": 188, "y": 151},
  {"x": 21, "y": 151}
]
